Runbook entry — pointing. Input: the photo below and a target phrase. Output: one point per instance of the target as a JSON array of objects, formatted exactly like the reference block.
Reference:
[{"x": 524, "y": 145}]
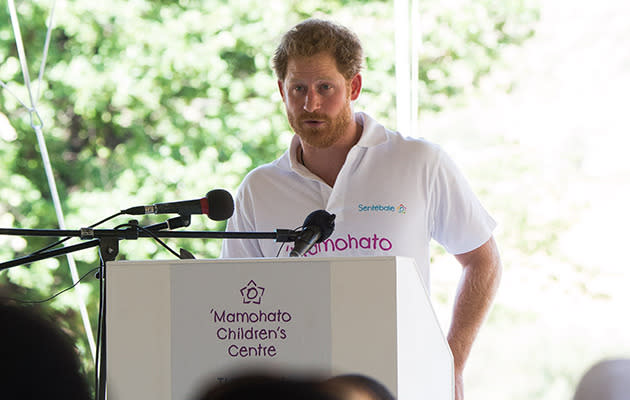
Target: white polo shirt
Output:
[{"x": 392, "y": 196}]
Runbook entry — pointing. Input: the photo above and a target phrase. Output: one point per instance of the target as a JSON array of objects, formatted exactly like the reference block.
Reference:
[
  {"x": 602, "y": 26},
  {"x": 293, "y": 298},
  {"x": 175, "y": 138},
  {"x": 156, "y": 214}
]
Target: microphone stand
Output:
[{"x": 108, "y": 242}]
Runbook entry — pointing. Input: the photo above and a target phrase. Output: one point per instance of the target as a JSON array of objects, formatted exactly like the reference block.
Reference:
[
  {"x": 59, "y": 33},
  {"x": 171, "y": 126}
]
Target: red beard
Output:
[{"x": 325, "y": 132}]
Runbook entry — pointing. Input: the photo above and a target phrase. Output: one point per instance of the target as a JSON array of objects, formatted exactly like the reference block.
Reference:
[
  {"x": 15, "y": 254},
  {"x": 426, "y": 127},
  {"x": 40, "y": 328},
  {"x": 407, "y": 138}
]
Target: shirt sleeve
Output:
[
  {"x": 460, "y": 222},
  {"x": 241, "y": 221}
]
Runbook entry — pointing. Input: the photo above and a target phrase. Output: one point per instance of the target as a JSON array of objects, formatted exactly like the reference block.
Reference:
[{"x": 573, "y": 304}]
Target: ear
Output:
[
  {"x": 281, "y": 89},
  {"x": 355, "y": 86}
]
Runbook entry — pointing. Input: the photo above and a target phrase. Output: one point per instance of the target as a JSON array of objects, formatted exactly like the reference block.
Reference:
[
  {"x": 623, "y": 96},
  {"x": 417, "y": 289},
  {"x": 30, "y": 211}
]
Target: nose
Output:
[{"x": 312, "y": 101}]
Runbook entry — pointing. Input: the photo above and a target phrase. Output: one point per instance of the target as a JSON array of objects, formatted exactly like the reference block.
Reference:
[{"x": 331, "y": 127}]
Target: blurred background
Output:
[{"x": 149, "y": 101}]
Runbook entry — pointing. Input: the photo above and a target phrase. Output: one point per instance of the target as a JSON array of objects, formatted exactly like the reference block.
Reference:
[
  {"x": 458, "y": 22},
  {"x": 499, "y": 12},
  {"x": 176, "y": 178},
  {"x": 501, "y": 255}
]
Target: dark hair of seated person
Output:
[
  {"x": 345, "y": 385},
  {"x": 37, "y": 359},
  {"x": 266, "y": 387}
]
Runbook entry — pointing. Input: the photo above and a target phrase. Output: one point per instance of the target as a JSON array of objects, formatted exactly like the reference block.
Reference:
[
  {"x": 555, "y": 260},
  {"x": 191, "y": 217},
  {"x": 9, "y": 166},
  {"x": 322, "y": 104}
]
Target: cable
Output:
[
  {"x": 280, "y": 249},
  {"x": 5, "y": 87},
  {"x": 54, "y": 295},
  {"x": 45, "y": 54},
  {"x": 134, "y": 224},
  {"x": 50, "y": 246},
  {"x": 99, "y": 330},
  {"x": 37, "y": 125},
  {"x": 157, "y": 239},
  {"x": 20, "y": 49},
  {"x": 283, "y": 244}
]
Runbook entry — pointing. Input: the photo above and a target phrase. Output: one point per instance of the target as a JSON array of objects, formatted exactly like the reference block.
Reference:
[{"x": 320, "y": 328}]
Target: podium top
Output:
[{"x": 272, "y": 259}]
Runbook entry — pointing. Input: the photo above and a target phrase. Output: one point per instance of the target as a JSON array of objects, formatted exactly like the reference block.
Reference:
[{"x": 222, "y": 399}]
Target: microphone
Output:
[
  {"x": 181, "y": 221},
  {"x": 218, "y": 205},
  {"x": 318, "y": 226}
]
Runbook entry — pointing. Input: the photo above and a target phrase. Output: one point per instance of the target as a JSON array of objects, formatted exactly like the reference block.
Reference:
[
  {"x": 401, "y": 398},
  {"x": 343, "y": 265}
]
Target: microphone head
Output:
[
  {"x": 220, "y": 204},
  {"x": 324, "y": 221}
]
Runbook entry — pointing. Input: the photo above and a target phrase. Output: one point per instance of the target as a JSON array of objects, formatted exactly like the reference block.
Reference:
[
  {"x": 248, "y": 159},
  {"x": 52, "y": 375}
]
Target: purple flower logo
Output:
[{"x": 252, "y": 293}]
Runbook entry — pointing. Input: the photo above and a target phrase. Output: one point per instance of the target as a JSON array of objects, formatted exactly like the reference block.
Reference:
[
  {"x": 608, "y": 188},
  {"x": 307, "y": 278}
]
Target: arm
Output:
[{"x": 481, "y": 273}]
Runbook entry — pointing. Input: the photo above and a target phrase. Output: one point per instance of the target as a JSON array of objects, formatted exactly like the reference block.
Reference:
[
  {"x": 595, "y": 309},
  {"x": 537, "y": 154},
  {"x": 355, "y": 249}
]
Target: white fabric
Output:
[{"x": 392, "y": 196}]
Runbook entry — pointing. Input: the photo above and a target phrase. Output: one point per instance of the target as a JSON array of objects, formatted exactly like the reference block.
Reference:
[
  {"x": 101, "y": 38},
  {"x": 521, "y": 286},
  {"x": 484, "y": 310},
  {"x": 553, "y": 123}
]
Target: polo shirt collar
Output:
[{"x": 373, "y": 132}]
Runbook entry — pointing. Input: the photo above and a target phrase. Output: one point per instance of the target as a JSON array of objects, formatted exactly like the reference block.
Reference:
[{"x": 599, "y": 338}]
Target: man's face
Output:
[{"x": 317, "y": 98}]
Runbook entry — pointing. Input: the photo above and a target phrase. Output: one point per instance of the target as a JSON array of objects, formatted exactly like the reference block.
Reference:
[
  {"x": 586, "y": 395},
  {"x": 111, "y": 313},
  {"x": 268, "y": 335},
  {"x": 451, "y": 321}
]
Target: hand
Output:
[{"x": 459, "y": 386}]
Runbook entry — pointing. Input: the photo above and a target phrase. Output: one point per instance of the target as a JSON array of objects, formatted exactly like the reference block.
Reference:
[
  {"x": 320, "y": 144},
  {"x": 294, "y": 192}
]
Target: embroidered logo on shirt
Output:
[
  {"x": 382, "y": 208},
  {"x": 376, "y": 208}
]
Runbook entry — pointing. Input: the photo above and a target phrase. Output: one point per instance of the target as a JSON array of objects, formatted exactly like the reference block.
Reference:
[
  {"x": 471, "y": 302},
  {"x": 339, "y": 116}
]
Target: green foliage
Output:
[
  {"x": 148, "y": 101},
  {"x": 462, "y": 42}
]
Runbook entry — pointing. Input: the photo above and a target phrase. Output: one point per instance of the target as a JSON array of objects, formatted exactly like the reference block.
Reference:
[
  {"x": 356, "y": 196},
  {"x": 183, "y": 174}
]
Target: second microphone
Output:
[{"x": 218, "y": 205}]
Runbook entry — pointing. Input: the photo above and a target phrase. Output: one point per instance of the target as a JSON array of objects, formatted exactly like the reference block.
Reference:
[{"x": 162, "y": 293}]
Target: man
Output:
[{"x": 391, "y": 194}]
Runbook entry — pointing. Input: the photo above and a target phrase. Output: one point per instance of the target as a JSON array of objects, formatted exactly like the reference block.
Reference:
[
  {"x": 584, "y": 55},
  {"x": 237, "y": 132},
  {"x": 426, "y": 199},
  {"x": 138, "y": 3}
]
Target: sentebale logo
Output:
[
  {"x": 382, "y": 208},
  {"x": 252, "y": 293},
  {"x": 376, "y": 208}
]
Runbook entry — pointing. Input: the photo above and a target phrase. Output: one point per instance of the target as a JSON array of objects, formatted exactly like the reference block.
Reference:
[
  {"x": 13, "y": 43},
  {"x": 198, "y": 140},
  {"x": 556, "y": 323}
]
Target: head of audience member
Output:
[
  {"x": 37, "y": 359},
  {"x": 267, "y": 387},
  {"x": 358, "y": 387},
  {"x": 606, "y": 380}
]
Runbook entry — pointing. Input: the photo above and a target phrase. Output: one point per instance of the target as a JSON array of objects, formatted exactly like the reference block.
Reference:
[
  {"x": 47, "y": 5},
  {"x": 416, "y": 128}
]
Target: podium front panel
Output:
[
  {"x": 174, "y": 327},
  {"x": 229, "y": 316}
]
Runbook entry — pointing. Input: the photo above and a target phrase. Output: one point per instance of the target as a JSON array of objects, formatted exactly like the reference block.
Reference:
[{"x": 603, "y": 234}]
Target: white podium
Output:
[{"x": 176, "y": 326}]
